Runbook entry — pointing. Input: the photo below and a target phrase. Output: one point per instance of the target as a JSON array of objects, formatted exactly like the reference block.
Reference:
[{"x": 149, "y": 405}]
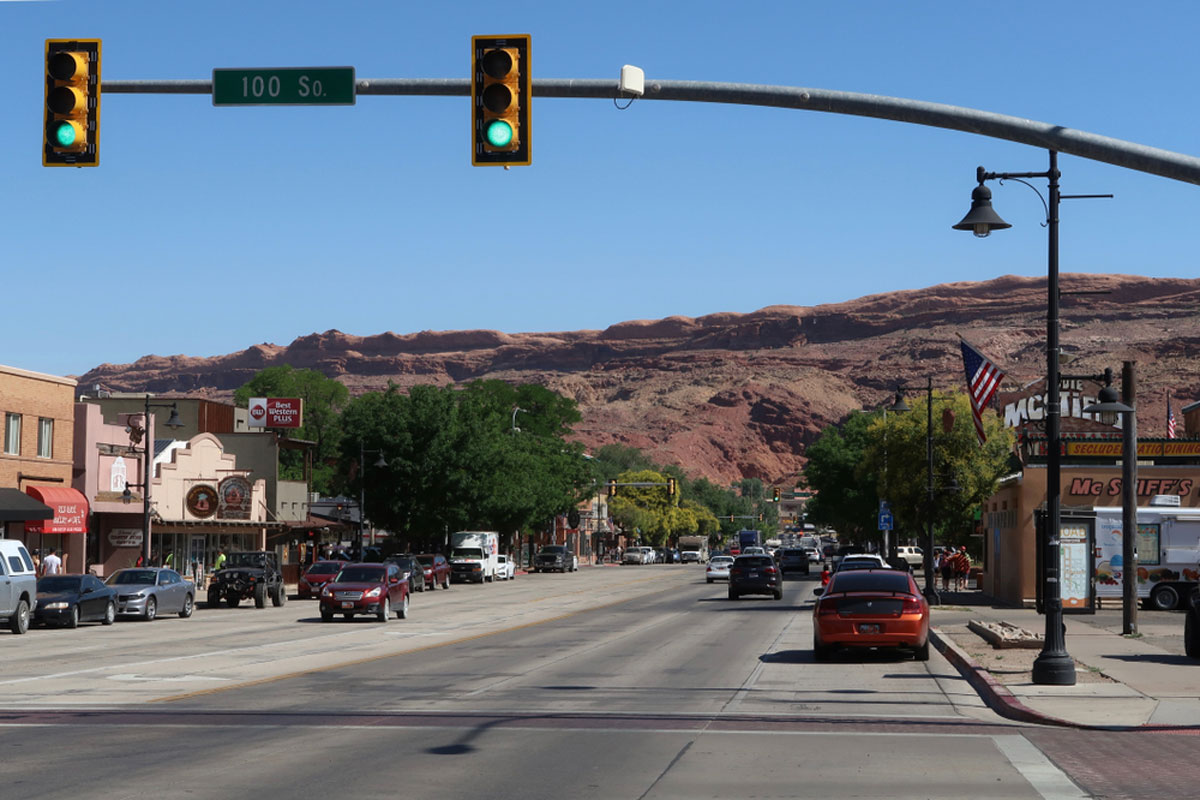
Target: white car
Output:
[
  {"x": 689, "y": 557},
  {"x": 506, "y": 570},
  {"x": 755, "y": 551},
  {"x": 861, "y": 561},
  {"x": 649, "y": 555},
  {"x": 718, "y": 568},
  {"x": 633, "y": 555},
  {"x": 915, "y": 556}
]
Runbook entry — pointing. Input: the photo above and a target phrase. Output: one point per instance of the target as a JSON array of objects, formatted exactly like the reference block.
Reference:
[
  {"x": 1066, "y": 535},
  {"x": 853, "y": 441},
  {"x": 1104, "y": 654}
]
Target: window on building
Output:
[
  {"x": 119, "y": 475},
  {"x": 12, "y": 434},
  {"x": 45, "y": 437}
]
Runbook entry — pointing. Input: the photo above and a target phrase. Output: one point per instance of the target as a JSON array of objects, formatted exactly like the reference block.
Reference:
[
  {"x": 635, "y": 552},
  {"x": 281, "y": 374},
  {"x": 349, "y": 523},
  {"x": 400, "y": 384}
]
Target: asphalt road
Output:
[{"x": 614, "y": 682}]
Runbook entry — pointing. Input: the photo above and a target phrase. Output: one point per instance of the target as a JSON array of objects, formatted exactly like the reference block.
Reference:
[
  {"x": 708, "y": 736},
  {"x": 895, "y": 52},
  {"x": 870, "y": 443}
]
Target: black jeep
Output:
[{"x": 247, "y": 575}]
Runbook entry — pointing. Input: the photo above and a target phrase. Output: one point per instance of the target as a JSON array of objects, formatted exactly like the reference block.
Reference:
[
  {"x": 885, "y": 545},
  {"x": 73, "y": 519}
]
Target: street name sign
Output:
[{"x": 284, "y": 86}]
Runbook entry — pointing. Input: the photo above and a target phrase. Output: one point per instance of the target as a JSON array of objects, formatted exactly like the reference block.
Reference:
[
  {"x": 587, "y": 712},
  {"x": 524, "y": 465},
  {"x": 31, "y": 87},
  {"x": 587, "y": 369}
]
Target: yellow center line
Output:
[{"x": 384, "y": 656}]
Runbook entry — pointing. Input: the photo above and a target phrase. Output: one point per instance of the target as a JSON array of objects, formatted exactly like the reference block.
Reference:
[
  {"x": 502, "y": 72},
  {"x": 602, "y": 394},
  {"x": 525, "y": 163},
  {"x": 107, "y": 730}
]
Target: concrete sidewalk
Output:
[{"x": 1148, "y": 686}]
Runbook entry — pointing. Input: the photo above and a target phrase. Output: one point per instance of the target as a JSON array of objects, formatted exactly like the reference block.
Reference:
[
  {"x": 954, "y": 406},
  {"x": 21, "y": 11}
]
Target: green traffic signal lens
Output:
[
  {"x": 64, "y": 134},
  {"x": 499, "y": 133}
]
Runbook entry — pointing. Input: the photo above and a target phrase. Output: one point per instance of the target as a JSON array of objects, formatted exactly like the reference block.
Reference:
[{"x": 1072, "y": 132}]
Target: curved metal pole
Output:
[{"x": 1044, "y": 135}]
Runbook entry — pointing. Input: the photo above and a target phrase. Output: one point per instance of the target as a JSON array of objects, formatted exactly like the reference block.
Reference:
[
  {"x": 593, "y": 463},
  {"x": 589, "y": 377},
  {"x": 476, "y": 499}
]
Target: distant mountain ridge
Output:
[{"x": 728, "y": 395}]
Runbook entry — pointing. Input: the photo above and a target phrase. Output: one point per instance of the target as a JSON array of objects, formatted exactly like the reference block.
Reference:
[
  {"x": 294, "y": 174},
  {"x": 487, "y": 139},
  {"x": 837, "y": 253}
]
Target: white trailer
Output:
[
  {"x": 1168, "y": 553},
  {"x": 473, "y": 555}
]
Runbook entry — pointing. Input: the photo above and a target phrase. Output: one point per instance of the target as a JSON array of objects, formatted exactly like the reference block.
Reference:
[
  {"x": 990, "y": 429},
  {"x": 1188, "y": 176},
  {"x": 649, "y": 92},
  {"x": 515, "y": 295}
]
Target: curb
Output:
[{"x": 995, "y": 694}]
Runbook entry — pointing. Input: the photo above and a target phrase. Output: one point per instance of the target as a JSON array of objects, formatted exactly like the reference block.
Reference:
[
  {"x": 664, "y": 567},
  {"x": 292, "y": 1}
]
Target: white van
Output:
[{"x": 18, "y": 585}]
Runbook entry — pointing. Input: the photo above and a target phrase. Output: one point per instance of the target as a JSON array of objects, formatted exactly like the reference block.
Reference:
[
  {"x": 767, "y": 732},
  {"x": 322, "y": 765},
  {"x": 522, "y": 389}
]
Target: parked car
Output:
[
  {"x": 317, "y": 576},
  {"x": 18, "y": 585},
  {"x": 718, "y": 568},
  {"x": 506, "y": 570},
  {"x": 870, "y": 608},
  {"x": 755, "y": 574},
  {"x": 914, "y": 556},
  {"x": 411, "y": 570},
  {"x": 793, "y": 559},
  {"x": 68, "y": 600},
  {"x": 376, "y": 589},
  {"x": 252, "y": 575},
  {"x": 437, "y": 570},
  {"x": 555, "y": 558},
  {"x": 634, "y": 555},
  {"x": 149, "y": 591}
]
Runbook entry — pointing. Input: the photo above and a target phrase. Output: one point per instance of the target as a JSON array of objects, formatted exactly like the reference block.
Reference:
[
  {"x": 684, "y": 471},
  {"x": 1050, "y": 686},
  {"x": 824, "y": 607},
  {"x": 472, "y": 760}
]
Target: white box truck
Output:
[
  {"x": 473, "y": 555},
  {"x": 1168, "y": 552}
]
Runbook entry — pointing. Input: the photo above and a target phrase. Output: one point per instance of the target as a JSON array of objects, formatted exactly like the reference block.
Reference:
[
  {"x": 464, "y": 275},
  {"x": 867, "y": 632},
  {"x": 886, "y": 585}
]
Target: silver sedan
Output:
[
  {"x": 148, "y": 592},
  {"x": 718, "y": 568}
]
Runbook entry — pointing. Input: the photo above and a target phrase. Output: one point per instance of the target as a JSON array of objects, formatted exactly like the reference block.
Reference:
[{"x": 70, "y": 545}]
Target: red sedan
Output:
[
  {"x": 437, "y": 570},
  {"x": 376, "y": 589},
  {"x": 870, "y": 608},
  {"x": 318, "y": 575}
]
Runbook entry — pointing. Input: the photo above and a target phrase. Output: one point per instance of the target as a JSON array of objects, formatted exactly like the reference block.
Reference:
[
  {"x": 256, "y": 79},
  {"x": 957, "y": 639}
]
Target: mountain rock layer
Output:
[{"x": 732, "y": 395}]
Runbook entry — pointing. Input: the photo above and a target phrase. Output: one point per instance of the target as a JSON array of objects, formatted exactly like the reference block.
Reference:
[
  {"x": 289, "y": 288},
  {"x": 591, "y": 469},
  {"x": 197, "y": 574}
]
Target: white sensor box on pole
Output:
[{"x": 633, "y": 81}]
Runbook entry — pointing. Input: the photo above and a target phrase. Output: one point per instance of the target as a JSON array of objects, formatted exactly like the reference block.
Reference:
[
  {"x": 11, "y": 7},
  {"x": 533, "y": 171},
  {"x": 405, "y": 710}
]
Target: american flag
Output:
[
  {"x": 1170, "y": 419},
  {"x": 983, "y": 379}
]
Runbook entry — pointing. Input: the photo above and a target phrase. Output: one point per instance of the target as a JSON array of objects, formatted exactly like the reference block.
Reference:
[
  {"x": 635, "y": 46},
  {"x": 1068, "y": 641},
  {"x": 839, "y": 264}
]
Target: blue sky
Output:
[{"x": 206, "y": 230}]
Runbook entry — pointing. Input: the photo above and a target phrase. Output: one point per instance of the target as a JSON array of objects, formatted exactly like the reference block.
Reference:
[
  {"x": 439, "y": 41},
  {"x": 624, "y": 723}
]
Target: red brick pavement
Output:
[{"x": 1132, "y": 765}]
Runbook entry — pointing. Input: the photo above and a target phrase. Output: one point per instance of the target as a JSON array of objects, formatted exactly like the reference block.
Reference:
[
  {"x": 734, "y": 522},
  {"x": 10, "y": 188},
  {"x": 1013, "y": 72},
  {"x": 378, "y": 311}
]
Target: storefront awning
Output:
[
  {"x": 16, "y": 506},
  {"x": 70, "y": 510}
]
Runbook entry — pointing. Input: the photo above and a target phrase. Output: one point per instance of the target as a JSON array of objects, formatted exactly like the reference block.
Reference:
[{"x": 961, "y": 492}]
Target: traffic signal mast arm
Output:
[
  {"x": 613, "y": 485},
  {"x": 1176, "y": 166}
]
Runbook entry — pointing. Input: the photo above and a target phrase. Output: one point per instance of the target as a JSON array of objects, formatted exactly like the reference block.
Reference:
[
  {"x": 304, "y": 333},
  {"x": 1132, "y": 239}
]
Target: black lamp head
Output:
[{"x": 982, "y": 219}]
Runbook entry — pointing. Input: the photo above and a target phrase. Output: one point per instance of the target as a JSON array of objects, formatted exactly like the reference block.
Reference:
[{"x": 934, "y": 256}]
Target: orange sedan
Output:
[{"x": 870, "y": 608}]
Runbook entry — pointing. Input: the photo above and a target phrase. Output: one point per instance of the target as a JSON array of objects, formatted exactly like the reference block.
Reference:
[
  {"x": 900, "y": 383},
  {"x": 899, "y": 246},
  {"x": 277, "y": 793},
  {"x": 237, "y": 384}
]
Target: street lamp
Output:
[
  {"x": 1053, "y": 666},
  {"x": 173, "y": 422},
  {"x": 362, "y": 486},
  {"x": 899, "y": 406},
  {"x": 1108, "y": 404}
]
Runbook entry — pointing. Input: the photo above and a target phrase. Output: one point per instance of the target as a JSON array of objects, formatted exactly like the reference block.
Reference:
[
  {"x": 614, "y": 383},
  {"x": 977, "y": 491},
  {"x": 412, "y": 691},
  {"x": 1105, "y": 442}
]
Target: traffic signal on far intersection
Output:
[
  {"x": 612, "y": 487},
  {"x": 500, "y": 92},
  {"x": 71, "y": 129},
  {"x": 670, "y": 487},
  {"x": 774, "y": 495}
]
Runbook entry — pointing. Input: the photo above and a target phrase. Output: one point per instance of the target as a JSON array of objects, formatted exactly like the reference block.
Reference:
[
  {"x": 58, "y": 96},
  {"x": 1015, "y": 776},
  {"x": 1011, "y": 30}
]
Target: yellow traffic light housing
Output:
[
  {"x": 500, "y": 92},
  {"x": 774, "y": 495},
  {"x": 670, "y": 487},
  {"x": 71, "y": 130},
  {"x": 612, "y": 487}
]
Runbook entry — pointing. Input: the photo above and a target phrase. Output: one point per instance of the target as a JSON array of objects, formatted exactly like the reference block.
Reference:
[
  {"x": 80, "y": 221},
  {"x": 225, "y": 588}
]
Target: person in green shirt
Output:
[{"x": 219, "y": 561}]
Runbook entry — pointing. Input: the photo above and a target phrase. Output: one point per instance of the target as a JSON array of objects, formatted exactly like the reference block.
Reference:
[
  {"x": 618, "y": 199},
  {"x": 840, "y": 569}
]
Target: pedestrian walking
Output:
[
  {"x": 946, "y": 569},
  {"x": 962, "y": 568},
  {"x": 52, "y": 564}
]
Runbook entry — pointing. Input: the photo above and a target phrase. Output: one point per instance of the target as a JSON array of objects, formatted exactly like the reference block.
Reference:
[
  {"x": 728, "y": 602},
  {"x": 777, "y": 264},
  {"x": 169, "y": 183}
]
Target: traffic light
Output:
[
  {"x": 774, "y": 495},
  {"x": 500, "y": 92},
  {"x": 71, "y": 133},
  {"x": 670, "y": 487},
  {"x": 612, "y": 487}
]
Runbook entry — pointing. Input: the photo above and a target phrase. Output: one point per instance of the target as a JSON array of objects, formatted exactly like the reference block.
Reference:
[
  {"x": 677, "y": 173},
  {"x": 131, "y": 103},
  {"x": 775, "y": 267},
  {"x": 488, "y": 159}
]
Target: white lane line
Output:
[{"x": 1048, "y": 780}]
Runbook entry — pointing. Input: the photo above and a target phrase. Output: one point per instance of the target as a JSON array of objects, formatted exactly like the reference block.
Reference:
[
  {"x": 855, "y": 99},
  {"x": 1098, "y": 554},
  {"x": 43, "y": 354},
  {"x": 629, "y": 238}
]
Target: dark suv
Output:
[
  {"x": 793, "y": 559},
  {"x": 248, "y": 575},
  {"x": 755, "y": 574}
]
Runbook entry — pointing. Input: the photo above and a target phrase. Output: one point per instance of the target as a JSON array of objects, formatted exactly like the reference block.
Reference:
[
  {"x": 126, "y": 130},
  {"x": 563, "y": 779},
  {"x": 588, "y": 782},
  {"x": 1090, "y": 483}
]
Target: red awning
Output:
[{"x": 70, "y": 510}]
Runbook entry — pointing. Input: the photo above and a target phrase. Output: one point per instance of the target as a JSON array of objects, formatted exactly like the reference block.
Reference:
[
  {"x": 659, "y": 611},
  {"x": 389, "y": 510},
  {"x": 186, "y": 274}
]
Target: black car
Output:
[
  {"x": 793, "y": 559},
  {"x": 71, "y": 599},
  {"x": 411, "y": 570},
  {"x": 755, "y": 574},
  {"x": 253, "y": 575}
]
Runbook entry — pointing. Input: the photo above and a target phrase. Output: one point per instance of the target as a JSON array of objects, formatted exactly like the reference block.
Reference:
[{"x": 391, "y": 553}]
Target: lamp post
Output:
[
  {"x": 362, "y": 486},
  {"x": 173, "y": 421},
  {"x": 1053, "y": 666},
  {"x": 1109, "y": 404},
  {"x": 899, "y": 406}
]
